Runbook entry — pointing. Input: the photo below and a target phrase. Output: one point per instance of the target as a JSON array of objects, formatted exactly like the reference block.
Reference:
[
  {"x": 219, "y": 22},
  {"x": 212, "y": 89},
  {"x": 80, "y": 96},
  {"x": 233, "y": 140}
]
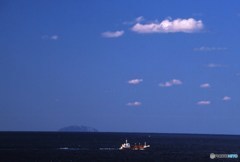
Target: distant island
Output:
[{"x": 76, "y": 128}]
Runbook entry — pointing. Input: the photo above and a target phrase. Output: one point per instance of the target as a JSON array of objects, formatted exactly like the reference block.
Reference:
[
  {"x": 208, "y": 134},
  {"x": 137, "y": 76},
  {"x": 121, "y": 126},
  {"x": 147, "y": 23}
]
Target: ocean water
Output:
[{"x": 103, "y": 147}]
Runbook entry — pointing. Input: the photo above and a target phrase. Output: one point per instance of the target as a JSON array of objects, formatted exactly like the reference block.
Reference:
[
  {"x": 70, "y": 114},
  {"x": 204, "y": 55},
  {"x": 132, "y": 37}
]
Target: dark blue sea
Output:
[{"x": 103, "y": 147}]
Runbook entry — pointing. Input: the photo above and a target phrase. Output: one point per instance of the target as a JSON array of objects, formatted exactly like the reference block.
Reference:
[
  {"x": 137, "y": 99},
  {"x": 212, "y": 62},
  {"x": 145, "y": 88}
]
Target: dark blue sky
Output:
[{"x": 163, "y": 66}]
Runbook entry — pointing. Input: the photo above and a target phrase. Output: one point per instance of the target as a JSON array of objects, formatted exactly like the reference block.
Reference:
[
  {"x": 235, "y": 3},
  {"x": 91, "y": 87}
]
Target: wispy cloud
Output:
[
  {"x": 171, "y": 83},
  {"x": 205, "y": 85},
  {"x": 213, "y": 65},
  {"x": 50, "y": 37},
  {"x": 136, "y": 20},
  {"x": 135, "y": 81},
  {"x": 209, "y": 49},
  {"x": 204, "y": 102},
  {"x": 169, "y": 26},
  {"x": 238, "y": 74},
  {"x": 113, "y": 34},
  {"x": 135, "y": 103},
  {"x": 226, "y": 98},
  {"x": 139, "y": 19},
  {"x": 54, "y": 37}
]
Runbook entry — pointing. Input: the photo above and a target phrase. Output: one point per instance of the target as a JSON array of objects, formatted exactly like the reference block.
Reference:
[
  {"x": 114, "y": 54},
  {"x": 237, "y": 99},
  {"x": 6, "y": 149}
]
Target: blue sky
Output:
[{"x": 141, "y": 66}]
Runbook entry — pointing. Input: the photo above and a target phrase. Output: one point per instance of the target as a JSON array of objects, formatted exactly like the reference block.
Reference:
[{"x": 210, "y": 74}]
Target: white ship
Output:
[{"x": 127, "y": 146}]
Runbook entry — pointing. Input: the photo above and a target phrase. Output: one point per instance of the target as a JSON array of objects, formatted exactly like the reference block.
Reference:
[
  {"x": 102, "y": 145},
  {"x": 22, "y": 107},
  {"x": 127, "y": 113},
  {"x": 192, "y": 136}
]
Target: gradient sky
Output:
[{"x": 164, "y": 66}]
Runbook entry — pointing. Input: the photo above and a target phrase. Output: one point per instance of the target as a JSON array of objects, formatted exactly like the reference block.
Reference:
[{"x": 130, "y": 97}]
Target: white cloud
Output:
[
  {"x": 166, "y": 84},
  {"x": 213, "y": 65},
  {"x": 171, "y": 83},
  {"x": 176, "y": 82},
  {"x": 114, "y": 34},
  {"x": 238, "y": 74},
  {"x": 209, "y": 49},
  {"x": 54, "y": 37},
  {"x": 139, "y": 19},
  {"x": 136, "y": 20},
  {"x": 135, "y": 103},
  {"x": 205, "y": 85},
  {"x": 226, "y": 98},
  {"x": 50, "y": 37},
  {"x": 167, "y": 26},
  {"x": 135, "y": 81},
  {"x": 204, "y": 102}
]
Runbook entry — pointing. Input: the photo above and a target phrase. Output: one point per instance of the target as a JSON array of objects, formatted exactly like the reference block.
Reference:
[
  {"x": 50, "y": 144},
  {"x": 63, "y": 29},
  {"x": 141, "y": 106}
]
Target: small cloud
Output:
[
  {"x": 114, "y": 34},
  {"x": 50, "y": 37},
  {"x": 176, "y": 82},
  {"x": 205, "y": 85},
  {"x": 213, "y": 65},
  {"x": 136, "y": 103},
  {"x": 139, "y": 19},
  {"x": 226, "y": 98},
  {"x": 166, "y": 84},
  {"x": 171, "y": 83},
  {"x": 167, "y": 26},
  {"x": 209, "y": 49},
  {"x": 135, "y": 81},
  {"x": 238, "y": 74},
  {"x": 54, "y": 37},
  {"x": 136, "y": 20},
  {"x": 204, "y": 102}
]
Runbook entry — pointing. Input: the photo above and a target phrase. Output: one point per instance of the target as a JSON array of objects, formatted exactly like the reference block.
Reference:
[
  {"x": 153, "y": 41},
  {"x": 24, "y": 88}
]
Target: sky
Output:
[{"x": 163, "y": 66}]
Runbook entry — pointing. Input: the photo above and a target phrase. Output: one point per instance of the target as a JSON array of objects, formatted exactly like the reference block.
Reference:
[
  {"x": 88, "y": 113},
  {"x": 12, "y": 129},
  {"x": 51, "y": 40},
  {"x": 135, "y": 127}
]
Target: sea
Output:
[{"x": 104, "y": 147}]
